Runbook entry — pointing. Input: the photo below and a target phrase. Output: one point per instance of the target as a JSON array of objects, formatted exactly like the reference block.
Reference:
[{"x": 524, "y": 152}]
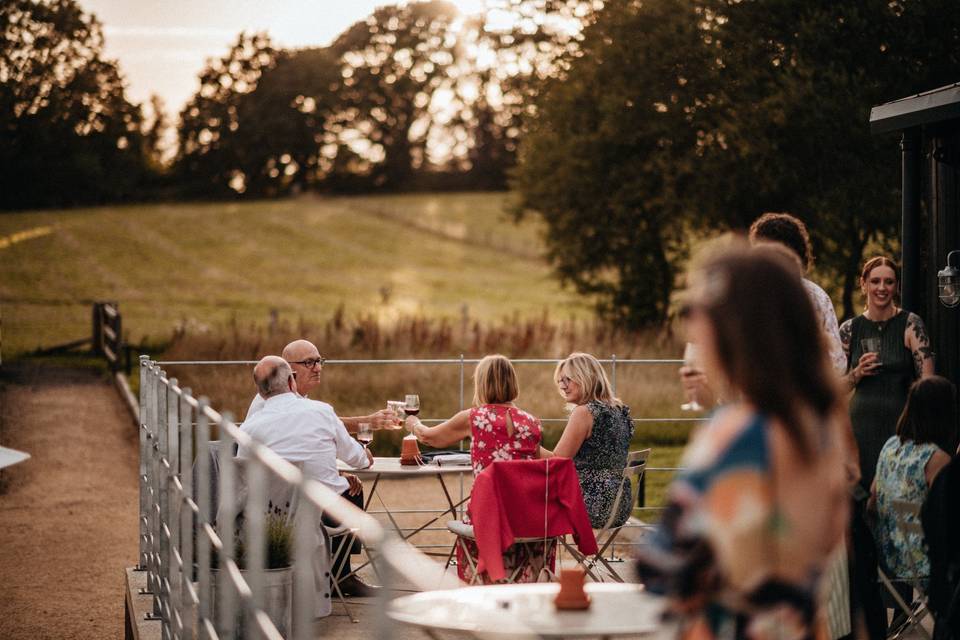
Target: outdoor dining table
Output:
[{"x": 527, "y": 611}]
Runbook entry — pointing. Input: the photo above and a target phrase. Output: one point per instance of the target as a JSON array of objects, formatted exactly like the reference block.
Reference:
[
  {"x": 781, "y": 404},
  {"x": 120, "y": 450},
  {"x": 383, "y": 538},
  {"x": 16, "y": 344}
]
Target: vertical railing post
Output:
[
  {"x": 613, "y": 373},
  {"x": 157, "y": 403},
  {"x": 255, "y": 539},
  {"x": 460, "y": 446},
  {"x": 144, "y": 459},
  {"x": 185, "y": 508},
  {"x": 163, "y": 496},
  {"x": 202, "y": 492},
  {"x": 172, "y": 515},
  {"x": 304, "y": 586},
  {"x": 227, "y": 512}
]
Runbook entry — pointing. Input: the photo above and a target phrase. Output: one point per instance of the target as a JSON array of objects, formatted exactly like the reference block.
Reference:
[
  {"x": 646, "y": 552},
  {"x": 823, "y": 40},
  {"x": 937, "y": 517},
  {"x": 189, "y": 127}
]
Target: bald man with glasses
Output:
[{"x": 307, "y": 364}]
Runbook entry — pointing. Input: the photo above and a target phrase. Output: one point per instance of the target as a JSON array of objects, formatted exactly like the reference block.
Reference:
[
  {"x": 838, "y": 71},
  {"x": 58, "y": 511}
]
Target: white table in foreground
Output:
[{"x": 527, "y": 610}]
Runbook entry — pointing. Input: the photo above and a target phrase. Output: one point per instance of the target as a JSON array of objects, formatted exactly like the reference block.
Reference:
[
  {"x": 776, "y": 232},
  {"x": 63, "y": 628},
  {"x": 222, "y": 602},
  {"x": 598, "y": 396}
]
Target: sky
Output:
[{"x": 162, "y": 45}]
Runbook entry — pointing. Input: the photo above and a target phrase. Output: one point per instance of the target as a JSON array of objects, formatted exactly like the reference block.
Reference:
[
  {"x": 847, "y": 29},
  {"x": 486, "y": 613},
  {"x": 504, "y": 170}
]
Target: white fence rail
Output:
[{"x": 175, "y": 431}]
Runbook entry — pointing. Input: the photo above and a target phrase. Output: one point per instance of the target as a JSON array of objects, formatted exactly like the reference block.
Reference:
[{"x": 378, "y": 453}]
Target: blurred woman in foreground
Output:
[{"x": 762, "y": 502}]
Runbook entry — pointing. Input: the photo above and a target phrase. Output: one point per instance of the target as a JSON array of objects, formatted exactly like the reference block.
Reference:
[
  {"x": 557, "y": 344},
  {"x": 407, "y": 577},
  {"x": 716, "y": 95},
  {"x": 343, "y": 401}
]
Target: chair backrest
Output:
[
  {"x": 519, "y": 499},
  {"x": 636, "y": 465}
]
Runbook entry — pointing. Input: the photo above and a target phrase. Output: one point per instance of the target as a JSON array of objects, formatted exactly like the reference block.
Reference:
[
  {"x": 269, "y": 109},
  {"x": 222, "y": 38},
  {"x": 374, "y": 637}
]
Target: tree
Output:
[
  {"x": 392, "y": 63},
  {"x": 736, "y": 107},
  {"x": 606, "y": 157},
  {"x": 69, "y": 134},
  {"x": 208, "y": 160}
]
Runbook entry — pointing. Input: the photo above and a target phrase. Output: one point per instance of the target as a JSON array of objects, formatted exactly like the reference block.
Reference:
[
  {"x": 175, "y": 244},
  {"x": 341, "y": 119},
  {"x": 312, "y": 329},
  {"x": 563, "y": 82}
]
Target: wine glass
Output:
[
  {"x": 364, "y": 434},
  {"x": 691, "y": 360},
  {"x": 412, "y": 404}
]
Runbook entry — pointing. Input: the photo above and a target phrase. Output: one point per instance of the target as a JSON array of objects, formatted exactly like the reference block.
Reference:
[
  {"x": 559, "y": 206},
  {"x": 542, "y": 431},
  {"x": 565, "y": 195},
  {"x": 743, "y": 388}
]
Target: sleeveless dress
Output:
[
  {"x": 600, "y": 462},
  {"x": 879, "y": 399},
  {"x": 491, "y": 441},
  {"x": 901, "y": 476}
]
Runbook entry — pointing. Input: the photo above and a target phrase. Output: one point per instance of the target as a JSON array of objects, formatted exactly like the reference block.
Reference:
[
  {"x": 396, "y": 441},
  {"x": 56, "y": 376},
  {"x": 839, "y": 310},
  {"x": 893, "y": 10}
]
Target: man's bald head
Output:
[
  {"x": 271, "y": 375},
  {"x": 298, "y": 352}
]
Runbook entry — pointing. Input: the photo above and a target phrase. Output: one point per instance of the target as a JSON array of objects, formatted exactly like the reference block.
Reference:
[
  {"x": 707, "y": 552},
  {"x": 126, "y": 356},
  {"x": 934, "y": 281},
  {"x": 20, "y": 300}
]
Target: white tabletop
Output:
[
  {"x": 518, "y": 610},
  {"x": 391, "y": 468}
]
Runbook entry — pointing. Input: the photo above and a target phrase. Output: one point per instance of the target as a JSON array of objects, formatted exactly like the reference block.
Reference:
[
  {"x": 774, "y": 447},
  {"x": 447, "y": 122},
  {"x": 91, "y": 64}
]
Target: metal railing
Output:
[{"x": 178, "y": 537}]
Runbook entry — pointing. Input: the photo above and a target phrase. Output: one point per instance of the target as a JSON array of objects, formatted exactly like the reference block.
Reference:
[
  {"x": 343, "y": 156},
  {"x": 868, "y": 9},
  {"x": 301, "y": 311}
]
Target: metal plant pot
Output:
[{"x": 278, "y": 594}]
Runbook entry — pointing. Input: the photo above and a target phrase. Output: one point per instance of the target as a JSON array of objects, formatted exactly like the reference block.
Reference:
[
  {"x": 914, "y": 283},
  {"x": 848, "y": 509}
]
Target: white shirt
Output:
[
  {"x": 823, "y": 307},
  {"x": 302, "y": 430}
]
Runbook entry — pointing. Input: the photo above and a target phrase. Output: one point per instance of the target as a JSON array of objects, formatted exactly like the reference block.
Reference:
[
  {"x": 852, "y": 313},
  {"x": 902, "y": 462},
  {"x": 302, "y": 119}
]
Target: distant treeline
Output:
[{"x": 412, "y": 98}]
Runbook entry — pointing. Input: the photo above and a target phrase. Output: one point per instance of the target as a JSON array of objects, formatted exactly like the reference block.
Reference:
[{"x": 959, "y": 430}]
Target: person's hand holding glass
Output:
[{"x": 869, "y": 363}]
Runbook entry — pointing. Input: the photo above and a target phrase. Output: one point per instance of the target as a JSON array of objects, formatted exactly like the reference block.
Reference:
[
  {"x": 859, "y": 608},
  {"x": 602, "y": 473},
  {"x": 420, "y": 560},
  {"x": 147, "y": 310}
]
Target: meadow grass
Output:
[{"x": 205, "y": 264}]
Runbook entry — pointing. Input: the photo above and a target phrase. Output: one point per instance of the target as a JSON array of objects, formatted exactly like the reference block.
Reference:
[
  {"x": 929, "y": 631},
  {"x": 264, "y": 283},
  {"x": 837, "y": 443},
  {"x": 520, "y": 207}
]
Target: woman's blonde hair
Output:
[
  {"x": 587, "y": 371},
  {"x": 495, "y": 381}
]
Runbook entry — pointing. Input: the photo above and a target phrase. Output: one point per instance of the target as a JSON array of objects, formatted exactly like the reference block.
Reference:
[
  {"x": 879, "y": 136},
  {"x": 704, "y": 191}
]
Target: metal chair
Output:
[
  {"x": 907, "y": 515},
  {"x": 537, "y": 558},
  {"x": 606, "y": 537}
]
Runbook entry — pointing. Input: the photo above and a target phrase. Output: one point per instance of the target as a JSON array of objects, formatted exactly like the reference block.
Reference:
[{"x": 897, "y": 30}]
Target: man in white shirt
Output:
[{"x": 308, "y": 432}]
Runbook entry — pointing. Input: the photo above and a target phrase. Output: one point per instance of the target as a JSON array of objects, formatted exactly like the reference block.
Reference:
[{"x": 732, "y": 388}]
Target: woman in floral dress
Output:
[
  {"x": 498, "y": 430},
  {"x": 908, "y": 464}
]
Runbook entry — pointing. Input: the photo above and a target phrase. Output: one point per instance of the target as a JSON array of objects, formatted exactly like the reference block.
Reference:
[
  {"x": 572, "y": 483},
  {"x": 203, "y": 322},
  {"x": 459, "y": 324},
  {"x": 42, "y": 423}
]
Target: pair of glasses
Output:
[{"x": 310, "y": 363}]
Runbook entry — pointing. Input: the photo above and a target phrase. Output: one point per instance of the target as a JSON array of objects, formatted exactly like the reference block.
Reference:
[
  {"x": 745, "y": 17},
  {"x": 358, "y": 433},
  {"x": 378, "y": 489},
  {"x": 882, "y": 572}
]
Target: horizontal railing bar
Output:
[{"x": 456, "y": 361}]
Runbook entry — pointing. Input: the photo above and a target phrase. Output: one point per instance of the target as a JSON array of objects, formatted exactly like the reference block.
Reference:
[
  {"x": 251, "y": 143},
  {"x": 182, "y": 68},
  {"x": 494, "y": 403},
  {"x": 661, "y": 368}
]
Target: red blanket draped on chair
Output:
[{"x": 508, "y": 502}]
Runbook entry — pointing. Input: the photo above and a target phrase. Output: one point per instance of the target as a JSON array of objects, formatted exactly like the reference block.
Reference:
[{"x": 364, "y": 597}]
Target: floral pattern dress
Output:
[
  {"x": 746, "y": 534},
  {"x": 491, "y": 441},
  {"x": 600, "y": 462},
  {"x": 901, "y": 476}
]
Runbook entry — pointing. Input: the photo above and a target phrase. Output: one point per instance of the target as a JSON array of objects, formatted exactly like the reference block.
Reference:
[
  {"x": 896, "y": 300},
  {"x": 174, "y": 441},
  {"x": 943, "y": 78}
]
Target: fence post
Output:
[
  {"x": 226, "y": 593},
  {"x": 204, "y": 517},
  {"x": 96, "y": 336},
  {"x": 144, "y": 453}
]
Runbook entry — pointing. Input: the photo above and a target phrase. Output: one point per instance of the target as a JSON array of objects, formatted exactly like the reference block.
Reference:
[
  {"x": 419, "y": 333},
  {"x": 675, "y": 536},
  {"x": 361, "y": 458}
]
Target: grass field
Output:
[
  {"x": 424, "y": 276},
  {"x": 199, "y": 265}
]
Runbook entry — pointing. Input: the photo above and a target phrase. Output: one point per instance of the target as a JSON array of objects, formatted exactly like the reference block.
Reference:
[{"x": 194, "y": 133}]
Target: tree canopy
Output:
[
  {"x": 680, "y": 118},
  {"x": 69, "y": 134}
]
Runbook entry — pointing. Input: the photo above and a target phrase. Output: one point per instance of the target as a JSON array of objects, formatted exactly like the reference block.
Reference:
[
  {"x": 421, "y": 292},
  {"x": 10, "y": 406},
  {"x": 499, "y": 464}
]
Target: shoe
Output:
[{"x": 353, "y": 586}]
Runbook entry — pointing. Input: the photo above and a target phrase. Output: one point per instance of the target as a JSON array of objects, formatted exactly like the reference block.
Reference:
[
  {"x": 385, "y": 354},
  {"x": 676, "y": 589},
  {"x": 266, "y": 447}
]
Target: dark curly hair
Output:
[{"x": 786, "y": 229}]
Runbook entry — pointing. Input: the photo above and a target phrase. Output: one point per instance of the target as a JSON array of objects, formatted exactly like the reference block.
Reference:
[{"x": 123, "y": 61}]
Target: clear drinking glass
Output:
[
  {"x": 691, "y": 360},
  {"x": 412, "y": 404},
  {"x": 397, "y": 406},
  {"x": 364, "y": 433},
  {"x": 871, "y": 345}
]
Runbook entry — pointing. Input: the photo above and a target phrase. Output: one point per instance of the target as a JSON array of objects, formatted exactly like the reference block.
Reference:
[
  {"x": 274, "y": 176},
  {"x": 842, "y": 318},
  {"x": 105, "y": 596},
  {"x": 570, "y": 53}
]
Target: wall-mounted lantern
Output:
[{"x": 948, "y": 280}]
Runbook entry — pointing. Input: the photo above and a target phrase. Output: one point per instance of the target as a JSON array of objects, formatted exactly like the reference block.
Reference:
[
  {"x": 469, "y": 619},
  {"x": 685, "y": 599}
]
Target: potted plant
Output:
[{"x": 278, "y": 577}]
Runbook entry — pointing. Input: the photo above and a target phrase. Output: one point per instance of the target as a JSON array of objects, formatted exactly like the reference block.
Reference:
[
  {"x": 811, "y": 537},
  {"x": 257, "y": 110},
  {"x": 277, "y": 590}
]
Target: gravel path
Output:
[{"x": 68, "y": 516}]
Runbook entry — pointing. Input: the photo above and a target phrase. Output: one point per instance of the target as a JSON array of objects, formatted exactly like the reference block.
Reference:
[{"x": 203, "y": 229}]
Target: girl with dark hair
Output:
[
  {"x": 761, "y": 504},
  {"x": 909, "y": 462}
]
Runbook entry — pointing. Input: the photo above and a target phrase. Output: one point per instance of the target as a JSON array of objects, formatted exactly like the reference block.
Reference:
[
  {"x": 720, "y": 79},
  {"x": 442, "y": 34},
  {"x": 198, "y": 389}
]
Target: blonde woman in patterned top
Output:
[
  {"x": 597, "y": 437},
  {"x": 761, "y": 503}
]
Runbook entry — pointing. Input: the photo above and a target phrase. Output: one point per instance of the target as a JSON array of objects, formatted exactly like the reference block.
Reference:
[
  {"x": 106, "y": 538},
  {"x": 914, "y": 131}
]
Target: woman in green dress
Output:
[
  {"x": 881, "y": 379},
  {"x": 887, "y": 348}
]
